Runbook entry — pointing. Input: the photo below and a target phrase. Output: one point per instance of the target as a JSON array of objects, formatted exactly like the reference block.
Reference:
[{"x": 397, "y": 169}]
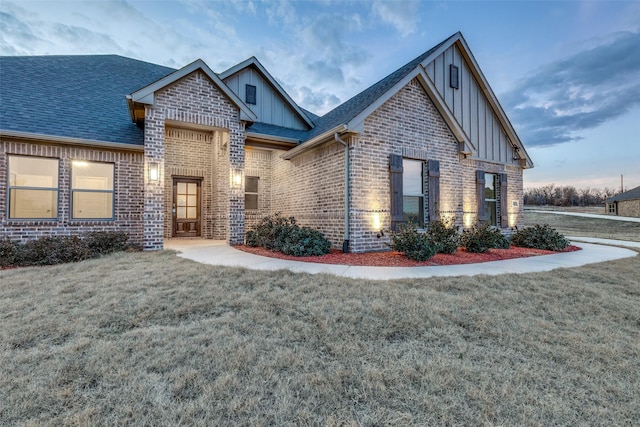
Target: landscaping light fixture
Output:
[{"x": 154, "y": 172}]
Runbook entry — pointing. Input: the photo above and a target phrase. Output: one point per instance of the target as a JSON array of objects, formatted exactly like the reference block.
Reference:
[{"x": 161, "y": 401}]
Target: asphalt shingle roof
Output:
[
  {"x": 632, "y": 194},
  {"x": 84, "y": 97},
  {"x": 73, "y": 96}
]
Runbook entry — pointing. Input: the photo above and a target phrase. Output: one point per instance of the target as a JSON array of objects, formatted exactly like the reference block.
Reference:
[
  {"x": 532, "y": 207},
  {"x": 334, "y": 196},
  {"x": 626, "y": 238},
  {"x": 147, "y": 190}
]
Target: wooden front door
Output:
[{"x": 186, "y": 207}]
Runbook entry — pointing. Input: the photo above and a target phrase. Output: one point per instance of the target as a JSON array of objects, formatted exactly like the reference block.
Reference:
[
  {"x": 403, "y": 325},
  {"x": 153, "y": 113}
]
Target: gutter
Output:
[
  {"x": 41, "y": 138},
  {"x": 313, "y": 142},
  {"x": 345, "y": 243}
]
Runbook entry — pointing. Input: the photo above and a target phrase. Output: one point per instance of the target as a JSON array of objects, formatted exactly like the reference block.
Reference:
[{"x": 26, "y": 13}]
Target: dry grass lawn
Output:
[
  {"x": 589, "y": 227},
  {"x": 153, "y": 339}
]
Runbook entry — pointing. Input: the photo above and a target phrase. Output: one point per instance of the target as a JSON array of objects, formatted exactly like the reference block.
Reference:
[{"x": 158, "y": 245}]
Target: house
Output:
[
  {"x": 111, "y": 143},
  {"x": 624, "y": 204}
]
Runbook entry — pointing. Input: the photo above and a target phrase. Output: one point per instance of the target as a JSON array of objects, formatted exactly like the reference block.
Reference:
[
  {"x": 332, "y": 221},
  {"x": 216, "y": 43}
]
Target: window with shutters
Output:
[
  {"x": 33, "y": 187},
  {"x": 251, "y": 192},
  {"x": 491, "y": 198},
  {"x": 413, "y": 192}
]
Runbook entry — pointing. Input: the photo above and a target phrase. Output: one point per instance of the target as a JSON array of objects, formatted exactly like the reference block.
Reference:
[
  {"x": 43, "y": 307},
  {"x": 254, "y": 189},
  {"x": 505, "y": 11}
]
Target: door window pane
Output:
[{"x": 33, "y": 187}]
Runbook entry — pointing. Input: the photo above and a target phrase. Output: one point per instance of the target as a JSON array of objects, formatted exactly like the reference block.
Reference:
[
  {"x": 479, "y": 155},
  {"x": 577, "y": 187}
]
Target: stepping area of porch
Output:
[{"x": 217, "y": 252}]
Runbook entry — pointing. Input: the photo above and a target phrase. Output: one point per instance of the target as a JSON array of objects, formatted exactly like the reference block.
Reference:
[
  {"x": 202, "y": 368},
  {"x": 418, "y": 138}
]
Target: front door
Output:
[{"x": 186, "y": 207}]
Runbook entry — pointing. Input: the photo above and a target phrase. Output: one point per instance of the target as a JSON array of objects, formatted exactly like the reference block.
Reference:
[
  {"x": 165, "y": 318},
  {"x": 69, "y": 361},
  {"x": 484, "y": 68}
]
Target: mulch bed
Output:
[{"x": 397, "y": 259}]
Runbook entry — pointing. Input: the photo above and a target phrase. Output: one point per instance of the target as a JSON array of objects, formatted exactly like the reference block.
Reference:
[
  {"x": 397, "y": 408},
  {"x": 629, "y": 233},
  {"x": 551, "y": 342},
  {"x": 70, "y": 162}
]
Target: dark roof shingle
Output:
[
  {"x": 73, "y": 96},
  {"x": 632, "y": 194}
]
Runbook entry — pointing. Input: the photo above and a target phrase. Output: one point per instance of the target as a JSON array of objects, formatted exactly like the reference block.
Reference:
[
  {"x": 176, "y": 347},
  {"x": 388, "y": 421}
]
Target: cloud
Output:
[
  {"x": 580, "y": 92},
  {"x": 316, "y": 100},
  {"x": 399, "y": 14}
]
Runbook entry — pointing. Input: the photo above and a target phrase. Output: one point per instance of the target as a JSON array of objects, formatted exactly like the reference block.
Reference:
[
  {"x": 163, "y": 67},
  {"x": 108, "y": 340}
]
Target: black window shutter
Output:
[
  {"x": 433, "y": 167},
  {"x": 504, "y": 216},
  {"x": 480, "y": 194},
  {"x": 395, "y": 174}
]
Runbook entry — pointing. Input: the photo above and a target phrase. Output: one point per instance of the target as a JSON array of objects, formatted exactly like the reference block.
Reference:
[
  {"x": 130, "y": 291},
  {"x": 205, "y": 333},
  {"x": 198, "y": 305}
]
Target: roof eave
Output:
[
  {"x": 314, "y": 142},
  {"x": 65, "y": 140}
]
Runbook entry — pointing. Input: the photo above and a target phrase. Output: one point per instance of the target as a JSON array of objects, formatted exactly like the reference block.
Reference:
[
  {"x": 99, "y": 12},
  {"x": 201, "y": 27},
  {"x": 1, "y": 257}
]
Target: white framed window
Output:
[
  {"x": 33, "y": 187},
  {"x": 92, "y": 190},
  {"x": 413, "y": 191},
  {"x": 491, "y": 198},
  {"x": 251, "y": 184}
]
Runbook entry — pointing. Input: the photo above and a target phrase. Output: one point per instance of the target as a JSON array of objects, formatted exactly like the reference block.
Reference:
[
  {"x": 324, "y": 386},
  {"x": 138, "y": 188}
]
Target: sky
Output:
[{"x": 567, "y": 73}]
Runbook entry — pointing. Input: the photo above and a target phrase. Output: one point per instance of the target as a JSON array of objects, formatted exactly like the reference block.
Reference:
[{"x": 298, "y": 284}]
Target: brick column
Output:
[{"x": 153, "y": 191}]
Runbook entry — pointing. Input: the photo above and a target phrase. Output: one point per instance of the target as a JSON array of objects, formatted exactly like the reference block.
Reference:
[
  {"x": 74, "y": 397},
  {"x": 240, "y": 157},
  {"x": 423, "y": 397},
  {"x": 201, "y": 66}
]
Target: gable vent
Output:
[
  {"x": 250, "y": 94},
  {"x": 453, "y": 76}
]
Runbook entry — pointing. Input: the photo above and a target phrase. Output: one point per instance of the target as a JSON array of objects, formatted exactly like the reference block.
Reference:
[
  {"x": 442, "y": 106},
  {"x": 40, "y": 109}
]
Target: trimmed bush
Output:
[
  {"x": 414, "y": 245},
  {"x": 483, "y": 237},
  {"x": 9, "y": 253},
  {"x": 283, "y": 234},
  {"x": 61, "y": 249},
  {"x": 54, "y": 250},
  {"x": 539, "y": 237},
  {"x": 106, "y": 242},
  {"x": 444, "y": 236},
  {"x": 305, "y": 241}
]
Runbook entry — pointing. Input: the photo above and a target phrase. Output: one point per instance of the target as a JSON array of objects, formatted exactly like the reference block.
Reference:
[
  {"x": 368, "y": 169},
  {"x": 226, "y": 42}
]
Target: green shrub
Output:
[
  {"x": 283, "y": 234},
  {"x": 61, "y": 249},
  {"x": 270, "y": 232},
  {"x": 9, "y": 253},
  {"x": 305, "y": 241},
  {"x": 483, "y": 237},
  {"x": 444, "y": 236},
  {"x": 414, "y": 245},
  {"x": 54, "y": 250},
  {"x": 106, "y": 242},
  {"x": 539, "y": 237}
]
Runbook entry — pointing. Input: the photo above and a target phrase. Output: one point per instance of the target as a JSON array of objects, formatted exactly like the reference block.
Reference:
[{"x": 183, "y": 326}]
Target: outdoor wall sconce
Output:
[
  {"x": 154, "y": 172},
  {"x": 380, "y": 234},
  {"x": 237, "y": 178}
]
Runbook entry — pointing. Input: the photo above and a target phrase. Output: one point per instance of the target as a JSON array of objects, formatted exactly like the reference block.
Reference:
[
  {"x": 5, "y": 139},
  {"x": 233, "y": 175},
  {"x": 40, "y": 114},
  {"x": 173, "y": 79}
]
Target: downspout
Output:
[{"x": 345, "y": 243}]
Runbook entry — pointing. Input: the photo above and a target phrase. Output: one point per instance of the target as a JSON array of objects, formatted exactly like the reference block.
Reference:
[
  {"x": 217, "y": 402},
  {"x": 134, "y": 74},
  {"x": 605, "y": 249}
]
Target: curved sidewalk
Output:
[{"x": 219, "y": 253}]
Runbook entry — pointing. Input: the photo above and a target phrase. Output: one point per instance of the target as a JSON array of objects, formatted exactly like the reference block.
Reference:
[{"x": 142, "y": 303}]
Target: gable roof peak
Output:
[
  {"x": 146, "y": 95},
  {"x": 252, "y": 61}
]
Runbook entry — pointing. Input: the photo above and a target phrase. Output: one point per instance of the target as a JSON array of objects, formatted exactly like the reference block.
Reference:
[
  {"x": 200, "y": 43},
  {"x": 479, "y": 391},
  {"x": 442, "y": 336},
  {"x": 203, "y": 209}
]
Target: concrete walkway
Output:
[
  {"x": 219, "y": 253},
  {"x": 588, "y": 215}
]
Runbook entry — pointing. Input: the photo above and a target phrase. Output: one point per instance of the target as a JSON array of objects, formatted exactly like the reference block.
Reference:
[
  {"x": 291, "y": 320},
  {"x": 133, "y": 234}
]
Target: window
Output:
[
  {"x": 413, "y": 192},
  {"x": 91, "y": 190},
  {"x": 491, "y": 199},
  {"x": 250, "y": 94},
  {"x": 612, "y": 208},
  {"x": 251, "y": 192},
  {"x": 33, "y": 187}
]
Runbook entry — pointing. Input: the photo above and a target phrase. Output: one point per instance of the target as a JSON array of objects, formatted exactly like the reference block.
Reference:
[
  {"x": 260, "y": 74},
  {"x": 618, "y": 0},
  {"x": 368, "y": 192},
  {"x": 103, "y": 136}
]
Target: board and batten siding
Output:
[
  {"x": 471, "y": 108},
  {"x": 270, "y": 107}
]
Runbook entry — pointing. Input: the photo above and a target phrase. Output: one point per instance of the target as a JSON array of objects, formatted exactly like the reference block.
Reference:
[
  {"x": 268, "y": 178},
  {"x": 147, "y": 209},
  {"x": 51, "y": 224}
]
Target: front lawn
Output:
[{"x": 153, "y": 339}]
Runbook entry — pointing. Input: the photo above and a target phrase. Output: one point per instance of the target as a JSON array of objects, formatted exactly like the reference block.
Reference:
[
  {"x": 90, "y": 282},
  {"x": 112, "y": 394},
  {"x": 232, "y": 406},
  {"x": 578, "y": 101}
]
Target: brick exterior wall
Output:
[
  {"x": 259, "y": 163},
  {"x": 195, "y": 100},
  {"x": 629, "y": 208},
  {"x": 408, "y": 124},
  {"x": 311, "y": 188},
  {"x": 128, "y": 189}
]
